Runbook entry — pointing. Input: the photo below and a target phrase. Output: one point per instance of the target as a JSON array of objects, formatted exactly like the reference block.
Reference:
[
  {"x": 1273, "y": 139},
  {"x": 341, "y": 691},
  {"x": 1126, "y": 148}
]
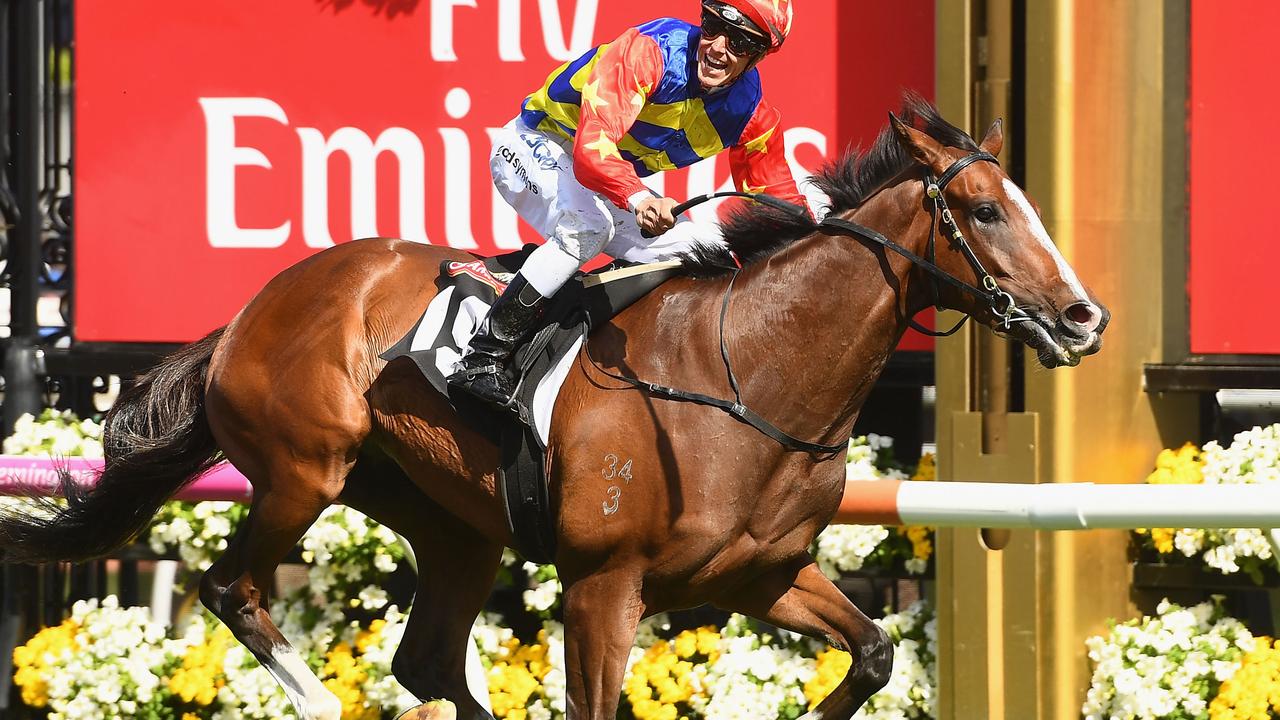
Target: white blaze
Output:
[{"x": 1038, "y": 229}]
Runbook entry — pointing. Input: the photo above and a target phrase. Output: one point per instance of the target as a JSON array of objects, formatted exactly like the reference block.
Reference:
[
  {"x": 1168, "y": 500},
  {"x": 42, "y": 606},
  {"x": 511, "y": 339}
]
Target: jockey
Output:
[{"x": 663, "y": 95}]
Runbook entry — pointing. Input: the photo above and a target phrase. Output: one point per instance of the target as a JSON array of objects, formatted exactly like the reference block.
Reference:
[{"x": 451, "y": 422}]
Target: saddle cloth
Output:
[{"x": 466, "y": 290}]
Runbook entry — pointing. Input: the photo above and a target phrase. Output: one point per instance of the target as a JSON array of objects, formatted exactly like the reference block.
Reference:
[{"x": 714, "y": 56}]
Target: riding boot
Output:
[{"x": 483, "y": 371}]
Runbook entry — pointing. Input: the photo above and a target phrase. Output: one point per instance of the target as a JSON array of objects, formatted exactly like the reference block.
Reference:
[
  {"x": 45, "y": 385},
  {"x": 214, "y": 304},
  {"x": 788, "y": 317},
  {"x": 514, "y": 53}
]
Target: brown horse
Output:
[{"x": 705, "y": 508}]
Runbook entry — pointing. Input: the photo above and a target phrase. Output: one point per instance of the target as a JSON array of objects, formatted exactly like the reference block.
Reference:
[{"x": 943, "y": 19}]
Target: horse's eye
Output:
[{"x": 985, "y": 214}]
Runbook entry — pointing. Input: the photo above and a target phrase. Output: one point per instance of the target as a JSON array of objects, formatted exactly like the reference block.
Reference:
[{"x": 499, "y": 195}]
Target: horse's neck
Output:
[{"x": 832, "y": 310}]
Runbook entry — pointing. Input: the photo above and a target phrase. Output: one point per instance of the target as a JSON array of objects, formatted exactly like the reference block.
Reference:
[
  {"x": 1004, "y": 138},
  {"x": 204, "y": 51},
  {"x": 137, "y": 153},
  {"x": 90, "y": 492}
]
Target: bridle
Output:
[{"x": 941, "y": 219}]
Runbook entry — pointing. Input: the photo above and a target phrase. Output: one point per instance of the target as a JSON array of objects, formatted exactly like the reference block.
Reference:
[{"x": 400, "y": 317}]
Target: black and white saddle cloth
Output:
[{"x": 465, "y": 292}]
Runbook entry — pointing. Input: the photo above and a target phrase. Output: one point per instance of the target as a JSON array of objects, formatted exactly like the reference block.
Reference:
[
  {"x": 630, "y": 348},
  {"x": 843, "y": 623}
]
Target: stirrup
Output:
[
  {"x": 466, "y": 374},
  {"x": 500, "y": 392}
]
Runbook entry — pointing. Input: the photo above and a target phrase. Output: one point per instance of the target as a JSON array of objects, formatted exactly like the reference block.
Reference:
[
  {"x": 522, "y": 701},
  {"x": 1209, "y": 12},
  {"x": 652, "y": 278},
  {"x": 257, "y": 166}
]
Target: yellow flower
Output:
[
  {"x": 686, "y": 644},
  {"x": 201, "y": 675},
  {"x": 344, "y": 675},
  {"x": 921, "y": 540},
  {"x": 32, "y": 662},
  {"x": 370, "y": 637},
  {"x": 1178, "y": 467},
  {"x": 927, "y": 469},
  {"x": 832, "y": 666},
  {"x": 663, "y": 682},
  {"x": 516, "y": 680},
  {"x": 709, "y": 643},
  {"x": 1254, "y": 690}
]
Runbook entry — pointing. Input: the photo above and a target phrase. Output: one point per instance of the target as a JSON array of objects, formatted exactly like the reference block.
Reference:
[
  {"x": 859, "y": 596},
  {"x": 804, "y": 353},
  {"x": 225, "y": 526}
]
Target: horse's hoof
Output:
[{"x": 434, "y": 710}]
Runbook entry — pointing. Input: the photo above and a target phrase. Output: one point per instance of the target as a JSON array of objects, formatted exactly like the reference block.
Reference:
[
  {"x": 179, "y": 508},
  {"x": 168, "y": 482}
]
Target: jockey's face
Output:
[{"x": 718, "y": 65}]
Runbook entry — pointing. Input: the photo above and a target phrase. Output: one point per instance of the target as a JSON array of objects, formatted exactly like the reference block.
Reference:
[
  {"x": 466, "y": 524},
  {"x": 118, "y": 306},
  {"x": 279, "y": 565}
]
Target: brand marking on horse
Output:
[
  {"x": 610, "y": 471},
  {"x": 615, "y": 494}
]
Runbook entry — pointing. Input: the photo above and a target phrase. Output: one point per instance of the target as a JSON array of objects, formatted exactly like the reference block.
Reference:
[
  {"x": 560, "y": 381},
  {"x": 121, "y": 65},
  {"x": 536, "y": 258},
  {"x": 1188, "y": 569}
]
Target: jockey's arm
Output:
[
  {"x": 758, "y": 162},
  {"x": 617, "y": 89}
]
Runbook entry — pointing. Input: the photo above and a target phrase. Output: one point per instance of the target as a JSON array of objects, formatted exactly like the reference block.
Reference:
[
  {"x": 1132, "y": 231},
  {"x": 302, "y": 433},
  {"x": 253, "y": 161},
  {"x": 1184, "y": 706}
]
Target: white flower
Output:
[
  {"x": 373, "y": 597},
  {"x": 843, "y": 548},
  {"x": 544, "y": 588},
  {"x": 56, "y": 434},
  {"x": 1135, "y": 676}
]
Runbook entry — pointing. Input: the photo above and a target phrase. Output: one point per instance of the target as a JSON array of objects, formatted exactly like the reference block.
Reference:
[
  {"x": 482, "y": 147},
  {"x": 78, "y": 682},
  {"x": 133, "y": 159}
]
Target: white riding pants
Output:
[{"x": 533, "y": 171}]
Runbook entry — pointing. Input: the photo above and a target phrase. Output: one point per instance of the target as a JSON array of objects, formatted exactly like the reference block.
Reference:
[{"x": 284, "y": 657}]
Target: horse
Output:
[{"x": 706, "y": 509}]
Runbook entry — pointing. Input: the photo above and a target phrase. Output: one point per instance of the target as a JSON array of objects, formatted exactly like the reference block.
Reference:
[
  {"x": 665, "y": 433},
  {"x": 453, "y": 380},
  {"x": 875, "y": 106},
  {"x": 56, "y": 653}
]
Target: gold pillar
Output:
[{"x": 1105, "y": 158}]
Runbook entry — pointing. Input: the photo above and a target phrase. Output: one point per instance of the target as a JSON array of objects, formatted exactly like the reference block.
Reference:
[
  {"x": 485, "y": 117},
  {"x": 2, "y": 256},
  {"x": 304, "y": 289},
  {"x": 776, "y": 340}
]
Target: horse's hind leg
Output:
[
  {"x": 798, "y": 597},
  {"x": 235, "y": 588},
  {"x": 456, "y": 569}
]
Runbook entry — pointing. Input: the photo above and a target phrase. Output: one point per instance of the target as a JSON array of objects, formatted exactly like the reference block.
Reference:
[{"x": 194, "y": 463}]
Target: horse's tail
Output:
[{"x": 156, "y": 439}]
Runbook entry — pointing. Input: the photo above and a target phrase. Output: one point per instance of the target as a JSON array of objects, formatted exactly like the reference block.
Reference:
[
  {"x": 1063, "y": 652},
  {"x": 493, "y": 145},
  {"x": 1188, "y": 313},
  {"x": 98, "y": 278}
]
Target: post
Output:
[{"x": 23, "y": 391}]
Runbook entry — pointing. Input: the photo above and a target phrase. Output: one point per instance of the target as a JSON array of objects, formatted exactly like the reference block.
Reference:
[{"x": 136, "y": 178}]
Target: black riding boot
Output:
[{"x": 482, "y": 371}]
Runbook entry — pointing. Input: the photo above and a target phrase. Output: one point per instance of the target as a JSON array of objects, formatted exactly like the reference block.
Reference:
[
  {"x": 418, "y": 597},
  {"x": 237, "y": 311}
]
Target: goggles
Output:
[{"x": 741, "y": 42}]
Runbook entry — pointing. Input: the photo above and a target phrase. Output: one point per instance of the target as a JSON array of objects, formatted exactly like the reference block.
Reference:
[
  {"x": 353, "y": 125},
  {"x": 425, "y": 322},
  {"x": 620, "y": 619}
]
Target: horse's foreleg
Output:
[
  {"x": 235, "y": 588},
  {"x": 601, "y": 613},
  {"x": 798, "y": 597}
]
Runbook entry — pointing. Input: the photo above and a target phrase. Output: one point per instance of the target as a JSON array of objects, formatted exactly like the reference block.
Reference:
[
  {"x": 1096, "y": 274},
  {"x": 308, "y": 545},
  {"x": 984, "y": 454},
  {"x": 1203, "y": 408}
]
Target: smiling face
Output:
[
  {"x": 728, "y": 45},
  {"x": 719, "y": 66}
]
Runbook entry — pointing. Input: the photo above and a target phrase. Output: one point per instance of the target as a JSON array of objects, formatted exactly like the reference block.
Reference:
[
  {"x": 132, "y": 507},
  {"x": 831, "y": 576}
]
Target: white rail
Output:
[
  {"x": 1083, "y": 506},
  {"x": 1060, "y": 506}
]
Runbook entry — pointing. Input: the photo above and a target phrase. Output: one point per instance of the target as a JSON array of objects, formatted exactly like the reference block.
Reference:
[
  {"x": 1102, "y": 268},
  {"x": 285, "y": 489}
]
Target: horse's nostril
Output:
[{"x": 1083, "y": 315}]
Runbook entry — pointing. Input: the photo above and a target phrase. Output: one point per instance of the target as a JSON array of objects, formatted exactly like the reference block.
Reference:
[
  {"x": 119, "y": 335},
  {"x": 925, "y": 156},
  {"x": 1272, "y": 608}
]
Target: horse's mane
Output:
[{"x": 755, "y": 230}]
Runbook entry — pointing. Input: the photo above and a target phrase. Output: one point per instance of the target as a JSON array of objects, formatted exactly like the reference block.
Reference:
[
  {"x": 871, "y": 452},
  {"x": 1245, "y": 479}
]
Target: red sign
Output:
[
  {"x": 218, "y": 143},
  {"x": 1235, "y": 117}
]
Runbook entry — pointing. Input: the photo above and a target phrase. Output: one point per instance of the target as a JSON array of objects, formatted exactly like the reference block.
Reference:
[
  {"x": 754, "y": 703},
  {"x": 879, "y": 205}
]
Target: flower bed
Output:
[
  {"x": 1252, "y": 457},
  {"x": 108, "y": 661},
  {"x": 1178, "y": 665}
]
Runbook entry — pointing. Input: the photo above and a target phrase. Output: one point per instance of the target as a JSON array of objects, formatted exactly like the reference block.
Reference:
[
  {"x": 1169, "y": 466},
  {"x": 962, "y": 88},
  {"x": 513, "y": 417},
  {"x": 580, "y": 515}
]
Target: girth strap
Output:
[{"x": 737, "y": 410}]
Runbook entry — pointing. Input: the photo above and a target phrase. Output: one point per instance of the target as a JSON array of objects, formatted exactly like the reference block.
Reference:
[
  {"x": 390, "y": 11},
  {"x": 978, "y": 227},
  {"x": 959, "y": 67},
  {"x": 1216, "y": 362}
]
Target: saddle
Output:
[{"x": 465, "y": 291}]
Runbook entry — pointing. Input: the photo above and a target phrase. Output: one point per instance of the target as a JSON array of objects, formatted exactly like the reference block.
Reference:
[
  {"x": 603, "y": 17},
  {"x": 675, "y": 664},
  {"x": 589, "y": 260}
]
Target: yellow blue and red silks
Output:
[{"x": 635, "y": 106}]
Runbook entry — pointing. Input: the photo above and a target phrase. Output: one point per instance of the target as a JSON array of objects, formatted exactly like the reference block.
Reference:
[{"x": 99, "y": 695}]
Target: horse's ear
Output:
[
  {"x": 924, "y": 149},
  {"x": 993, "y": 141}
]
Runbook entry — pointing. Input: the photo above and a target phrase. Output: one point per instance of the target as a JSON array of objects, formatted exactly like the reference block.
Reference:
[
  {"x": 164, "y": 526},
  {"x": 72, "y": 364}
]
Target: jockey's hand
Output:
[{"x": 653, "y": 215}]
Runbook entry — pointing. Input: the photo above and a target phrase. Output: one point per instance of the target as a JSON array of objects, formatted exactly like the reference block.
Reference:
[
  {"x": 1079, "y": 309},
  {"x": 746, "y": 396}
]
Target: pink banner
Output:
[{"x": 19, "y": 473}]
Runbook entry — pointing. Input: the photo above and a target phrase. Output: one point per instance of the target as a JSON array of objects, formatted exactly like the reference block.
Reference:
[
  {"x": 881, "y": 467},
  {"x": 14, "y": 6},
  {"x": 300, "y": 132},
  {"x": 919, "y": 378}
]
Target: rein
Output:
[{"x": 1000, "y": 302}]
